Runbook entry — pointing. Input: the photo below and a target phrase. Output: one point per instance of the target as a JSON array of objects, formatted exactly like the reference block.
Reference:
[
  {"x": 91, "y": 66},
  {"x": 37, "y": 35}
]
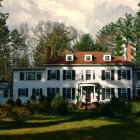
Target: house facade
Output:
[{"x": 79, "y": 76}]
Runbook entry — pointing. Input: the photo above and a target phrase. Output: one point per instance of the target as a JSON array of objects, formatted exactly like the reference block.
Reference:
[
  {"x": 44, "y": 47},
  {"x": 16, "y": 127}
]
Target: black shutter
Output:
[
  {"x": 19, "y": 92},
  {"x": 119, "y": 74},
  {"x": 33, "y": 92},
  {"x": 73, "y": 74},
  {"x": 48, "y": 94},
  {"x": 112, "y": 74},
  {"x": 128, "y": 93},
  {"x": 41, "y": 92},
  {"x": 64, "y": 93},
  {"x": 103, "y": 93},
  {"x": 128, "y": 75},
  {"x": 58, "y": 74},
  {"x": 5, "y": 93},
  {"x": 73, "y": 93},
  {"x": 134, "y": 91},
  {"x": 103, "y": 74},
  {"x": 93, "y": 74},
  {"x": 112, "y": 92},
  {"x": 49, "y": 74},
  {"x": 119, "y": 92},
  {"x": 64, "y": 74}
]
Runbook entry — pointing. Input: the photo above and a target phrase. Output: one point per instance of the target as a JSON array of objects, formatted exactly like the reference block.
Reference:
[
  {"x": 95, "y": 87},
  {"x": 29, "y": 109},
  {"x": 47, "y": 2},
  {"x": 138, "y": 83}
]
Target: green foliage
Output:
[
  {"x": 5, "y": 111},
  {"x": 10, "y": 102},
  {"x": 86, "y": 43},
  {"x": 20, "y": 111},
  {"x": 135, "y": 107},
  {"x": 71, "y": 107},
  {"x": 59, "y": 105},
  {"x": 18, "y": 102}
]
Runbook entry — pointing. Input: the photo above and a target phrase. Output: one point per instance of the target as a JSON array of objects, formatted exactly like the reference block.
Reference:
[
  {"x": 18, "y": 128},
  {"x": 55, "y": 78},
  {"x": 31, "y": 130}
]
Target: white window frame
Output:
[
  {"x": 88, "y": 56},
  {"x": 88, "y": 72},
  {"x": 68, "y": 74},
  {"x": 124, "y": 91},
  {"x": 107, "y": 56},
  {"x": 124, "y": 72},
  {"x": 22, "y": 92},
  {"x": 69, "y": 56},
  {"x": 69, "y": 92},
  {"x": 37, "y": 92},
  {"x": 107, "y": 92}
]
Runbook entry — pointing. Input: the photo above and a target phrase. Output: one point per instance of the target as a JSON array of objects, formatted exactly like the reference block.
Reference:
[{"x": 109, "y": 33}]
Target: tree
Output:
[
  {"x": 56, "y": 35},
  {"x": 4, "y": 48},
  {"x": 85, "y": 43}
]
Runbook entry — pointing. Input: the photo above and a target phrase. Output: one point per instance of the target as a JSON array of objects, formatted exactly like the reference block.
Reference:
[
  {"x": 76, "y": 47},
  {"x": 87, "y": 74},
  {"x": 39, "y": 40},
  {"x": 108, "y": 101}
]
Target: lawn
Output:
[{"x": 77, "y": 126}]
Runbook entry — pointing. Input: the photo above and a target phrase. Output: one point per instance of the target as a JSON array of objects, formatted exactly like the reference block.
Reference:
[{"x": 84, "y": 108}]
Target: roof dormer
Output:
[
  {"x": 69, "y": 57},
  {"x": 88, "y": 57},
  {"x": 107, "y": 57}
]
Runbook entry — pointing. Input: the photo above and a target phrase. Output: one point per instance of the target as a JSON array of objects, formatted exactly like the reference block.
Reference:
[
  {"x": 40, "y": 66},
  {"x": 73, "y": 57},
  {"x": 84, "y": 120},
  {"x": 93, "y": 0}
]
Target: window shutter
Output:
[
  {"x": 128, "y": 75},
  {"x": 119, "y": 92},
  {"x": 49, "y": 74},
  {"x": 64, "y": 74},
  {"x": 119, "y": 74},
  {"x": 5, "y": 93},
  {"x": 93, "y": 74},
  {"x": 41, "y": 92},
  {"x": 103, "y": 93},
  {"x": 134, "y": 91},
  {"x": 128, "y": 93},
  {"x": 103, "y": 74},
  {"x": 33, "y": 92},
  {"x": 112, "y": 74},
  {"x": 11, "y": 95},
  {"x": 64, "y": 93},
  {"x": 19, "y": 92},
  {"x": 73, "y": 74},
  {"x": 58, "y": 74},
  {"x": 48, "y": 94},
  {"x": 112, "y": 92},
  {"x": 73, "y": 93}
]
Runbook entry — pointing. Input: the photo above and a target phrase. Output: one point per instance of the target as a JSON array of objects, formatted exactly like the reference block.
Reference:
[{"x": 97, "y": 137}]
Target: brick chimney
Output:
[
  {"x": 49, "y": 54},
  {"x": 128, "y": 53}
]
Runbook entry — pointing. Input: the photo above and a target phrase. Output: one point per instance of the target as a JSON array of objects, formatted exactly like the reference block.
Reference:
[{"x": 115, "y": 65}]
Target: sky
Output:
[{"x": 88, "y": 16}]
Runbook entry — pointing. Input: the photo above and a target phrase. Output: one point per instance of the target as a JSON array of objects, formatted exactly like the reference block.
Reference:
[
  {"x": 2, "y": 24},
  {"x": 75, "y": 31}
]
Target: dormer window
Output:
[
  {"x": 107, "y": 57},
  {"x": 88, "y": 57},
  {"x": 69, "y": 57}
]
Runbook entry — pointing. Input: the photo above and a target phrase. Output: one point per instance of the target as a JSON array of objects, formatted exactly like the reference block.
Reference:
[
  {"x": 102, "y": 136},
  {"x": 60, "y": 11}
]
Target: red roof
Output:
[{"x": 79, "y": 58}]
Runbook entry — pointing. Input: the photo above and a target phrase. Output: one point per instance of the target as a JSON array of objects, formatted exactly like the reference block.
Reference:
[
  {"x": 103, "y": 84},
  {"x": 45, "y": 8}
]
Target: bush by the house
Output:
[
  {"x": 71, "y": 107},
  {"x": 79, "y": 105},
  {"x": 18, "y": 102},
  {"x": 10, "y": 102},
  {"x": 4, "y": 111},
  {"x": 20, "y": 111},
  {"x": 135, "y": 107}
]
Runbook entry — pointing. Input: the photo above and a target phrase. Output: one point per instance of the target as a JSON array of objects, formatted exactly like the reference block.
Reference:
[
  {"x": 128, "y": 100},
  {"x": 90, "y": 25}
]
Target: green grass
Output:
[{"x": 77, "y": 126}]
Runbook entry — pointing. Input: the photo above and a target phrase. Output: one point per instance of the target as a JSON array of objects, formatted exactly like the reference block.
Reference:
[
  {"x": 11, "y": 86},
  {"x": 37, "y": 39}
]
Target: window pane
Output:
[
  {"x": 53, "y": 74},
  {"x": 68, "y": 93},
  {"x": 69, "y": 74},
  {"x": 123, "y": 74},
  {"x": 88, "y": 75},
  {"x": 107, "y": 74},
  {"x": 30, "y": 76},
  {"x": 107, "y": 93}
]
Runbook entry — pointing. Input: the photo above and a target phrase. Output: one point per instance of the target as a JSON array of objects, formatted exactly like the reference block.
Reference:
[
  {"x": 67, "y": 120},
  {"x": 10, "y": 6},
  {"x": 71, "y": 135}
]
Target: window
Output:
[
  {"x": 51, "y": 92},
  {"x": 68, "y": 74},
  {"x": 69, "y": 57},
  {"x": 107, "y": 57},
  {"x": 69, "y": 93},
  {"x": 37, "y": 92},
  {"x": 138, "y": 75},
  {"x": 107, "y": 96},
  {"x": 53, "y": 74},
  {"x": 123, "y": 93},
  {"x": 30, "y": 75},
  {"x": 88, "y": 74},
  {"x": 88, "y": 57},
  {"x": 123, "y": 74},
  {"x": 23, "y": 92},
  {"x": 107, "y": 75}
]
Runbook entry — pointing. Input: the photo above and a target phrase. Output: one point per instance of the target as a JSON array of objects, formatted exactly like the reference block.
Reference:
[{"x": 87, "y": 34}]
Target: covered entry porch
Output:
[{"x": 88, "y": 92}]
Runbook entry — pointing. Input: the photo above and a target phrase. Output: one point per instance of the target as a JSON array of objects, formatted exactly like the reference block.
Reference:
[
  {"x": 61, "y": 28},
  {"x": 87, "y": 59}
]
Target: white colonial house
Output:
[{"x": 77, "y": 76}]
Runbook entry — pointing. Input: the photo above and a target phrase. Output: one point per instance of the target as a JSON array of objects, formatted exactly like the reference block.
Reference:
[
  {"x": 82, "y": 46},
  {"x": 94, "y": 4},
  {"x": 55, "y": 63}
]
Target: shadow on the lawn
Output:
[{"x": 126, "y": 131}]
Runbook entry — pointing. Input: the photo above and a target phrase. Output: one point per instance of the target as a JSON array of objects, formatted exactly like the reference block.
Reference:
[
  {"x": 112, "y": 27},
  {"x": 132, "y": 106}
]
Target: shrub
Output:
[
  {"x": 4, "y": 110},
  {"x": 70, "y": 107},
  {"x": 18, "y": 102},
  {"x": 135, "y": 107},
  {"x": 10, "y": 102},
  {"x": 79, "y": 105},
  {"x": 20, "y": 111}
]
